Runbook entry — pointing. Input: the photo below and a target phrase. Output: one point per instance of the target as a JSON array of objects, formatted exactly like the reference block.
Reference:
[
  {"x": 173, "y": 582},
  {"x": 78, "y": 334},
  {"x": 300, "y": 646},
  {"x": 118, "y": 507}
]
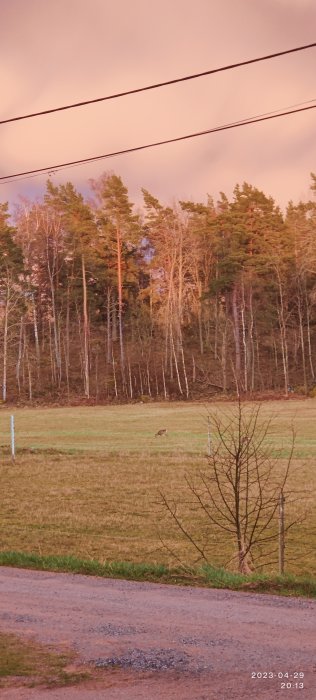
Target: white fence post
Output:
[{"x": 12, "y": 439}]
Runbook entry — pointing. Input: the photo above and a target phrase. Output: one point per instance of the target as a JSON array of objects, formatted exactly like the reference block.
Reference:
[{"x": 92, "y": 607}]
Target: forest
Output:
[{"x": 101, "y": 301}]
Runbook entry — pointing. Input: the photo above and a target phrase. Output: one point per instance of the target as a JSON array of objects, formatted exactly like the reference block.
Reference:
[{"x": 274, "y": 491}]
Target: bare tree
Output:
[{"x": 238, "y": 492}]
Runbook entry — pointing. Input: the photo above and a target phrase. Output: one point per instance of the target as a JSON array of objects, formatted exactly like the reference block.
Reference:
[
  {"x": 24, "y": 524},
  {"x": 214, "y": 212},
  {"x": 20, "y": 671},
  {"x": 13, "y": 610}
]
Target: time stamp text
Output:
[{"x": 288, "y": 680}]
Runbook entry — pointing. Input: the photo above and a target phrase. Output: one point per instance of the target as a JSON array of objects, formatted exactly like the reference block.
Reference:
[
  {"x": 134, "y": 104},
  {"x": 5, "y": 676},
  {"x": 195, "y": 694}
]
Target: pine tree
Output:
[{"x": 121, "y": 229}]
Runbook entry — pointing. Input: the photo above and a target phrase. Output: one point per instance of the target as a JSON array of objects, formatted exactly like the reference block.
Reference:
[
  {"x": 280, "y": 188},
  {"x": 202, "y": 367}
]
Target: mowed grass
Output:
[
  {"x": 86, "y": 481},
  {"x": 132, "y": 428}
]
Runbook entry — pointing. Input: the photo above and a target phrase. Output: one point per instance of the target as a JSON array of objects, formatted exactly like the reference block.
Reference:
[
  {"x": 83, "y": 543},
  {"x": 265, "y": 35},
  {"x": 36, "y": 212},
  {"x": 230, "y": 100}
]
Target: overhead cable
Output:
[
  {"x": 50, "y": 168},
  {"x": 154, "y": 86}
]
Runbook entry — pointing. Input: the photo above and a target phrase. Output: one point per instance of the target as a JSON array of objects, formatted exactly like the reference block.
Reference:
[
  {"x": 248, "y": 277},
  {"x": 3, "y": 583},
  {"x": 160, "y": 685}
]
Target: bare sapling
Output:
[{"x": 235, "y": 498}]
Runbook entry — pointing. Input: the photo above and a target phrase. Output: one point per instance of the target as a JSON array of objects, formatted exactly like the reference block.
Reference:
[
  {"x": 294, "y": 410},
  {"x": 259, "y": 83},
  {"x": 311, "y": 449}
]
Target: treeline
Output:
[{"x": 100, "y": 302}]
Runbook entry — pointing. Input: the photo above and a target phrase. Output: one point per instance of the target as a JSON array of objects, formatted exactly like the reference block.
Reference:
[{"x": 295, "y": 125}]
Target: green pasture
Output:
[
  {"x": 86, "y": 480},
  {"x": 131, "y": 428}
]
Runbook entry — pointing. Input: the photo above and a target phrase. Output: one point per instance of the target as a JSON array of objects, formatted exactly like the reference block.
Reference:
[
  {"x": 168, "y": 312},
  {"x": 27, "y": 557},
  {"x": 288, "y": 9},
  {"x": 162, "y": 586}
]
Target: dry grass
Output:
[
  {"x": 102, "y": 506},
  {"x": 86, "y": 482}
]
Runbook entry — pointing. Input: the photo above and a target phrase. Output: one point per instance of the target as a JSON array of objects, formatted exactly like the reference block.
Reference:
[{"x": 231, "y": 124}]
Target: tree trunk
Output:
[
  {"x": 244, "y": 338},
  {"x": 141, "y": 380},
  {"x": 236, "y": 332},
  {"x": 114, "y": 375},
  {"x": 200, "y": 326},
  {"x": 67, "y": 342},
  {"x": 282, "y": 326},
  {"x": 252, "y": 345},
  {"x": 108, "y": 326},
  {"x": 18, "y": 364},
  {"x": 148, "y": 380},
  {"x": 37, "y": 345},
  {"x": 164, "y": 383},
  {"x": 86, "y": 372},
  {"x": 185, "y": 374},
  {"x": 244, "y": 562},
  {"x": 5, "y": 346},
  {"x": 120, "y": 301},
  {"x": 51, "y": 269},
  {"x": 29, "y": 371},
  {"x": 309, "y": 335},
  {"x": 193, "y": 370},
  {"x": 300, "y": 316},
  {"x": 224, "y": 356},
  {"x": 130, "y": 380}
]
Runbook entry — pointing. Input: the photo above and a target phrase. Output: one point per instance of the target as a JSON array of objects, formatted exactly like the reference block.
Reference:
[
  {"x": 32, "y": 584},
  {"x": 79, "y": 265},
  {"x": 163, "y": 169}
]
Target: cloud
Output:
[
  {"x": 298, "y": 5},
  {"x": 71, "y": 50}
]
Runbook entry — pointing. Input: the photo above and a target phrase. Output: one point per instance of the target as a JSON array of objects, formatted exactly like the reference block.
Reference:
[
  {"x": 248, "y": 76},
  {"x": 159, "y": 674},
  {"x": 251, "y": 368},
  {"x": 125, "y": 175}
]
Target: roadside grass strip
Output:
[{"x": 206, "y": 576}]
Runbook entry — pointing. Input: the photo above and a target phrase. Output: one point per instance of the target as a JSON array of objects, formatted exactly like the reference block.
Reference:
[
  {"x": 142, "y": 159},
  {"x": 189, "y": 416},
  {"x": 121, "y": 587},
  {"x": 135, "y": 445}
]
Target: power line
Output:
[
  {"x": 275, "y": 111},
  {"x": 154, "y": 86},
  {"x": 78, "y": 164},
  {"x": 233, "y": 125}
]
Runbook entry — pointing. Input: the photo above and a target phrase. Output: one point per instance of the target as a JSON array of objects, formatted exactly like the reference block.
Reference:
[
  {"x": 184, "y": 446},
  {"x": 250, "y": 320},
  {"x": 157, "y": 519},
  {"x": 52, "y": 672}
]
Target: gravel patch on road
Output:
[
  {"x": 110, "y": 630},
  {"x": 147, "y": 660},
  {"x": 205, "y": 642}
]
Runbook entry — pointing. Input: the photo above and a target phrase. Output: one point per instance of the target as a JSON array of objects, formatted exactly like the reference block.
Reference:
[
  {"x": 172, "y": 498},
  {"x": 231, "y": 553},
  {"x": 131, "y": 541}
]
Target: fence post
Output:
[
  {"x": 281, "y": 533},
  {"x": 209, "y": 438},
  {"x": 12, "y": 439}
]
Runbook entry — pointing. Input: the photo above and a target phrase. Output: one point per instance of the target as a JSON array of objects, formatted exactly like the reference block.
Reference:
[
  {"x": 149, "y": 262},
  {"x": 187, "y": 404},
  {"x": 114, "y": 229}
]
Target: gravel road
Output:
[{"x": 165, "y": 642}]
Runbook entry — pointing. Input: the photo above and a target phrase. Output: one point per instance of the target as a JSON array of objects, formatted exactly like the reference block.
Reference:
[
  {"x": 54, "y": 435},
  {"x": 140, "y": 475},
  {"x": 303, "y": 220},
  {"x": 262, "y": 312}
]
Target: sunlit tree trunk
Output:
[
  {"x": 51, "y": 274},
  {"x": 86, "y": 372},
  {"x": 5, "y": 344},
  {"x": 283, "y": 334},
  {"x": 108, "y": 326},
  {"x": 120, "y": 301},
  {"x": 302, "y": 341},
  {"x": 236, "y": 332},
  {"x": 20, "y": 354},
  {"x": 244, "y": 338}
]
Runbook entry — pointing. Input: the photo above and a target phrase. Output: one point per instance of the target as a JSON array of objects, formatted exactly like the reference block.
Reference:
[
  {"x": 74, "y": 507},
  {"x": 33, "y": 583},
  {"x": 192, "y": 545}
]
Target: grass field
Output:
[{"x": 86, "y": 480}]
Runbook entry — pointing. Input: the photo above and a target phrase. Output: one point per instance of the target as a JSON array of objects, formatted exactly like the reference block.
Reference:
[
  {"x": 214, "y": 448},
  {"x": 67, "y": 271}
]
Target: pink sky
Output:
[{"x": 52, "y": 53}]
